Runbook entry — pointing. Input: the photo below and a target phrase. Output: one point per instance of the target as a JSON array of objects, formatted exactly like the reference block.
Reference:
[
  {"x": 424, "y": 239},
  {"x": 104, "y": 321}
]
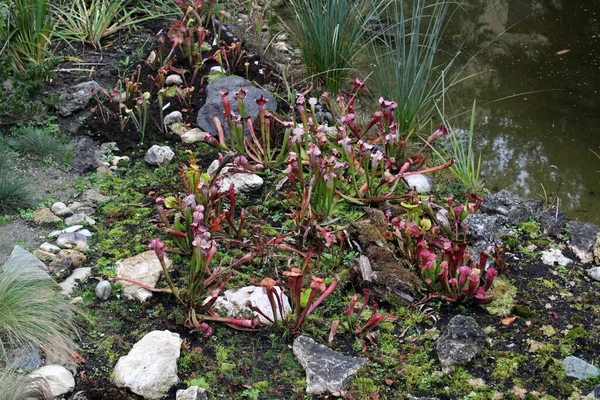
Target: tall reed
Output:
[
  {"x": 405, "y": 56},
  {"x": 331, "y": 34}
]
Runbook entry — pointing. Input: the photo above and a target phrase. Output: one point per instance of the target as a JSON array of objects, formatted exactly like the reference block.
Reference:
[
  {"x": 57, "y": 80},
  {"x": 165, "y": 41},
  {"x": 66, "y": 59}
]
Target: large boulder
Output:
[
  {"x": 327, "y": 371},
  {"x": 150, "y": 368},
  {"x": 508, "y": 204},
  {"x": 144, "y": 268},
  {"x": 583, "y": 238},
  {"x": 213, "y": 107},
  {"x": 462, "y": 340}
]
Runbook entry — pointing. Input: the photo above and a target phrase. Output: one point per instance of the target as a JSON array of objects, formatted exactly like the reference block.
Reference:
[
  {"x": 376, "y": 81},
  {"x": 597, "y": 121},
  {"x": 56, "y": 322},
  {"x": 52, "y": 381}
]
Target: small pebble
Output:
[{"x": 103, "y": 290}]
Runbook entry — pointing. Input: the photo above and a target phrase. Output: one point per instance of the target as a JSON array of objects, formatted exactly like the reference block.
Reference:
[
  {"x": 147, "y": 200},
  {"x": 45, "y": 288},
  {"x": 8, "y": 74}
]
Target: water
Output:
[
  {"x": 543, "y": 58},
  {"x": 537, "y": 141}
]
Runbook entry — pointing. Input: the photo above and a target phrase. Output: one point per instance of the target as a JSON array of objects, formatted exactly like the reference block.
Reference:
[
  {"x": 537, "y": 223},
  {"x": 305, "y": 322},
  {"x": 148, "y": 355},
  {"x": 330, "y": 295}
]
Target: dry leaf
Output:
[
  {"x": 509, "y": 320},
  {"x": 334, "y": 327},
  {"x": 78, "y": 358},
  {"x": 389, "y": 382},
  {"x": 560, "y": 53}
]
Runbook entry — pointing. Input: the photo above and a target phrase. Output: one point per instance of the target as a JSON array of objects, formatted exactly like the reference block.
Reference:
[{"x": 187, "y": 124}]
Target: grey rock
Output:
[
  {"x": 78, "y": 275},
  {"x": 191, "y": 393},
  {"x": 327, "y": 371},
  {"x": 481, "y": 232},
  {"x": 50, "y": 248},
  {"x": 174, "y": 80},
  {"x": 44, "y": 256},
  {"x": 460, "y": 342},
  {"x": 85, "y": 232},
  {"x": 144, "y": 268},
  {"x": 594, "y": 273},
  {"x": 86, "y": 208},
  {"x": 76, "y": 98},
  {"x": 577, "y": 368},
  {"x": 79, "y": 219},
  {"x": 150, "y": 368},
  {"x": 75, "y": 241},
  {"x": 242, "y": 182},
  {"x": 22, "y": 261},
  {"x": 595, "y": 394},
  {"x": 596, "y": 250},
  {"x": 583, "y": 237},
  {"x": 420, "y": 182},
  {"x": 172, "y": 118},
  {"x": 44, "y": 216},
  {"x": 500, "y": 203},
  {"x": 552, "y": 222},
  {"x": 58, "y": 378},
  {"x": 103, "y": 290},
  {"x": 60, "y": 269},
  {"x": 71, "y": 229},
  {"x": 213, "y": 107},
  {"x": 158, "y": 155},
  {"x": 524, "y": 211},
  {"x": 92, "y": 196},
  {"x": 193, "y": 136},
  {"x": 60, "y": 209},
  {"x": 26, "y": 359}
]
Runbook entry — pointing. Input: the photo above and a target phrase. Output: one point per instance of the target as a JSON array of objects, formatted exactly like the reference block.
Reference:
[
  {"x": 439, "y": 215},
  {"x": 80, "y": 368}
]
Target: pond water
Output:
[
  {"x": 543, "y": 58},
  {"x": 538, "y": 141}
]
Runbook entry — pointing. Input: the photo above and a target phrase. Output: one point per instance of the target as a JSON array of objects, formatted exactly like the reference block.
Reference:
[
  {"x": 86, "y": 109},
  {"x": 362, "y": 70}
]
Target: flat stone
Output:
[
  {"x": 158, "y": 155},
  {"x": 234, "y": 303},
  {"x": 577, "y": 368},
  {"x": 60, "y": 209},
  {"x": 83, "y": 207},
  {"x": 92, "y": 196},
  {"x": 44, "y": 256},
  {"x": 554, "y": 257},
  {"x": 79, "y": 219},
  {"x": 22, "y": 261},
  {"x": 460, "y": 342},
  {"x": 71, "y": 229},
  {"x": 78, "y": 275},
  {"x": 44, "y": 216},
  {"x": 50, "y": 248},
  {"x": 214, "y": 106},
  {"x": 72, "y": 240},
  {"x": 144, "y": 268},
  {"x": 76, "y": 98},
  {"x": 191, "y": 393},
  {"x": 59, "y": 379},
  {"x": 327, "y": 371},
  {"x": 420, "y": 182},
  {"x": 594, "y": 273},
  {"x": 150, "y": 368},
  {"x": 583, "y": 238},
  {"x": 85, "y": 232},
  {"x": 193, "y": 136}
]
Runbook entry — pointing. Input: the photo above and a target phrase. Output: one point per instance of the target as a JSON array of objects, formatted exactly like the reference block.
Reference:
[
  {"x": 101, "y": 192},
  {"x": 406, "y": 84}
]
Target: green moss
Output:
[
  {"x": 365, "y": 387},
  {"x": 576, "y": 333},
  {"x": 522, "y": 311},
  {"x": 506, "y": 367},
  {"x": 200, "y": 382},
  {"x": 504, "y": 294},
  {"x": 529, "y": 228}
]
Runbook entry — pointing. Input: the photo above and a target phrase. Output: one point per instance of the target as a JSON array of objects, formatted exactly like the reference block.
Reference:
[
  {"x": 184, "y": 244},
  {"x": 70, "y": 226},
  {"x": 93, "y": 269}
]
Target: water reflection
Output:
[{"x": 552, "y": 48}]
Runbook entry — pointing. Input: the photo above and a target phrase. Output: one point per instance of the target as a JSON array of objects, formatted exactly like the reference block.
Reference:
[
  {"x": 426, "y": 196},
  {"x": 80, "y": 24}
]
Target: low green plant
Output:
[
  {"x": 90, "y": 21},
  {"x": 15, "y": 193},
  {"x": 139, "y": 114},
  {"x": 331, "y": 34},
  {"x": 32, "y": 313},
  {"x": 42, "y": 142}
]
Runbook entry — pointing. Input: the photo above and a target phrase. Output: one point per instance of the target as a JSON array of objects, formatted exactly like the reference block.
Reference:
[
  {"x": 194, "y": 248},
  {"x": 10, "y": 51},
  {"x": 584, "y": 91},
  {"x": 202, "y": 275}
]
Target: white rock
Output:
[
  {"x": 174, "y": 80},
  {"x": 150, "y": 368},
  {"x": 173, "y": 117},
  {"x": 58, "y": 377},
  {"x": 193, "y": 136},
  {"x": 242, "y": 182},
  {"x": 158, "y": 155},
  {"x": 594, "y": 273},
  {"x": 117, "y": 160},
  {"x": 78, "y": 274},
  {"x": 61, "y": 210},
  {"x": 144, "y": 268},
  {"x": 50, "y": 248},
  {"x": 422, "y": 183},
  {"x": 555, "y": 257},
  {"x": 218, "y": 69},
  {"x": 191, "y": 393},
  {"x": 103, "y": 290},
  {"x": 234, "y": 303}
]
